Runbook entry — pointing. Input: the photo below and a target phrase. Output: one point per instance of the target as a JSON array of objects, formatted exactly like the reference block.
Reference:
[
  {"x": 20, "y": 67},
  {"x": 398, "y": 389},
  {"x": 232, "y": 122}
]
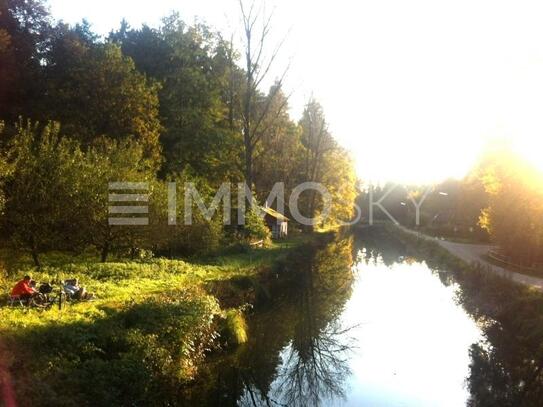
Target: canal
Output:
[{"x": 361, "y": 322}]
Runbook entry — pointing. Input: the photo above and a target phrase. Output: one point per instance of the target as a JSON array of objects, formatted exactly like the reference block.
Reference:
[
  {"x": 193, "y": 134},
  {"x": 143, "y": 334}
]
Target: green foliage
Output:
[
  {"x": 116, "y": 161},
  {"x": 24, "y": 30},
  {"x": 177, "y": 92},
  {"x": 255, "y": 228},
  {"x": 5, "y": 169},
  {"x": 191, "y": 64},
  {"x": 204, "y": 234},
  {"x": 139, "y": 342},
  {"x": 57, "y": 195},
  {"x": 138, "y": 353},
  {"x": 236, "y": 327},
  {"x": 278, "y": 155},
  {"x": 514, "y": 215},
  {"x": 113, "y": 98},
  {"x": 327, "y": 163},
  {"x": 42, "y": 200}
]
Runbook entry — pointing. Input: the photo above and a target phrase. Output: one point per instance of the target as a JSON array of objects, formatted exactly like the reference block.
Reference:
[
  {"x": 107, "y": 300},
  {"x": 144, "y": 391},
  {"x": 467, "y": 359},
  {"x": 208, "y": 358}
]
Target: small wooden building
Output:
[{"x": 277, "y": 222}]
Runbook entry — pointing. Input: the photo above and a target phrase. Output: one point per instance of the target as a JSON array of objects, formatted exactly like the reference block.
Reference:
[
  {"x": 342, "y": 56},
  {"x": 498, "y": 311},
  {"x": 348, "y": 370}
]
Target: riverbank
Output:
[
  {"x": 479, "y": 254},
  {"x": 145, "y": 335}
]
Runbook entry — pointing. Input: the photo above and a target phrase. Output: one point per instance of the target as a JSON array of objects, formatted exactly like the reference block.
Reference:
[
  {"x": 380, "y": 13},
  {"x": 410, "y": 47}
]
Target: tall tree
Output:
[
  {"x": 325, "y": 162},
  {"x": 116, "y": 161},
  {"x": 42, "y": 209},
  {"x": 256, "y": 32},
  {"x": 24, "y": 29},
  {"x": 318, "y": 142},
  {"x": 105, "y": 93},
  {"x": 197, "y": 73},
  {"x": 281, "y": 144},
  {"x": 514, "y": 216}
]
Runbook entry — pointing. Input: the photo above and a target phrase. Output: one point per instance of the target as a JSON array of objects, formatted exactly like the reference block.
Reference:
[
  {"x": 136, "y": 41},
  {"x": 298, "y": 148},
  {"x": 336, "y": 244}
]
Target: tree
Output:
[
  {"x": 278, "y": 155},
  {"x": 340, "y": 180},
  {"x": 325, "y": 162},
  {"x": 24, "y": 28},
  {"x": 204, "y": 234},
  {"x": 5, "y": 170},
  {"x": 42, "y": 208},
  {"x": 514, "y": 216},
  {"x": 105, "y": 93},
  {"x": 257, "y": 68},
  {"x": 318, "y": 142},
  {"x": 195, "y": 68},
  {"x": 117, "y": 161}
]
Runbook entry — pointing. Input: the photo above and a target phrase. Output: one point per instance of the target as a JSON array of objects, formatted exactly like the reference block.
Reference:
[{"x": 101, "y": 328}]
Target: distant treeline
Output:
[
  {"x": 145, "y": 104},
  {"x": 500, "y": 200}
]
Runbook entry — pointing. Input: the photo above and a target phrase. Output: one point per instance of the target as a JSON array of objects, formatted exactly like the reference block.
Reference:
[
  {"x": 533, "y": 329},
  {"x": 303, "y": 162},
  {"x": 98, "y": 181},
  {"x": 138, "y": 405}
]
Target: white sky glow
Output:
[{"x": 414, "y": 89}]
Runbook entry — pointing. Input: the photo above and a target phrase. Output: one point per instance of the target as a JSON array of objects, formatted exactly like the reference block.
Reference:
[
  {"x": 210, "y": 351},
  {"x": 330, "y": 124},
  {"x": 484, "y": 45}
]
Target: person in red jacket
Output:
[{"x": 23, "y": 290}]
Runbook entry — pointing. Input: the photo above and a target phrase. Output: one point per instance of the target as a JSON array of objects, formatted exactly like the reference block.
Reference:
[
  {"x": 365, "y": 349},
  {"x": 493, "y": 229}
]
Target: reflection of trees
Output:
[
  {"x": 378, "y": 245},
  {"x": 296, "y": 352},
  {"x": 315, "y": 365},
  {"x": 506, "y": 368},
  {"x": 504, "y": 373},
  {"x": 315, "y": 371}
]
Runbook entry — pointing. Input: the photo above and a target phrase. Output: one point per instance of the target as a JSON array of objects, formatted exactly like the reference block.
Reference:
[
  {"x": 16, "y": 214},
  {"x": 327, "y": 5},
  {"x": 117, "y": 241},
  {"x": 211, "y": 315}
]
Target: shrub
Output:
[
  {"x": 137, "y": 355},
  {"x": 236, "y": 327},
  {"x": 255, "y": 227}
]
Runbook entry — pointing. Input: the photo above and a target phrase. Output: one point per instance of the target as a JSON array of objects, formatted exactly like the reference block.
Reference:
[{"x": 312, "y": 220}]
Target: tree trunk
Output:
[
  {"x": 105, "y": 252},
  {"x": 247, "y": 111},
  {"x": 36, "y": 259},
  {"x": 249, "y": 164}
]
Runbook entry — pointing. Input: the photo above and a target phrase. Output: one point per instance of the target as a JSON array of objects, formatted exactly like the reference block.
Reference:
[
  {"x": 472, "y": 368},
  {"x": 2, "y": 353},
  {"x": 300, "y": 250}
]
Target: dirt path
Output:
[{"x": 476, "y": 253}]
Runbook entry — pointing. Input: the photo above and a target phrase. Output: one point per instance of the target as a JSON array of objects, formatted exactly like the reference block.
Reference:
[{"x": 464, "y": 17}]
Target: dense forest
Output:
[{"x": 174, "y": 103}]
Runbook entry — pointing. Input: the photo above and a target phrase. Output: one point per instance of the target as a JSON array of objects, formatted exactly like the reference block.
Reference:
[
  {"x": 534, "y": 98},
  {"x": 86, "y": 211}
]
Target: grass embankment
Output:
[
  {"x": 448, "y": 233},
  {"x": 530, "y": 271},
  {"x": 142, "y": 338}
]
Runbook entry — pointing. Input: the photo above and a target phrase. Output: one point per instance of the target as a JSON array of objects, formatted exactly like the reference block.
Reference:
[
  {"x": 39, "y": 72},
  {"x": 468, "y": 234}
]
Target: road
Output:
[{"x": 471, "y": 253}]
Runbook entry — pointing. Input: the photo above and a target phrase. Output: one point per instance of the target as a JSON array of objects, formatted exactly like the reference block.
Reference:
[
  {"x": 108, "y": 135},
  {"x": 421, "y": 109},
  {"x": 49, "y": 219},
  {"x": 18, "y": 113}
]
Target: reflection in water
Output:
[
  {"x": 316, "y": 370},
  {"x": 506, "y": 368},
  {"x": 374, "y": 246},
  {"x": 390, "y": 330},
  {"x": 297, "y": 349},
  {"x": 503, "y": 374},
  {"x": 315, "y": 365}
]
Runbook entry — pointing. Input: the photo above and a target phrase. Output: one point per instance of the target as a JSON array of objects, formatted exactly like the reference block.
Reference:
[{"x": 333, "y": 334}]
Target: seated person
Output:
[
  {"x": 75, "y": 291},
  {"x": 23, "y": 289}
]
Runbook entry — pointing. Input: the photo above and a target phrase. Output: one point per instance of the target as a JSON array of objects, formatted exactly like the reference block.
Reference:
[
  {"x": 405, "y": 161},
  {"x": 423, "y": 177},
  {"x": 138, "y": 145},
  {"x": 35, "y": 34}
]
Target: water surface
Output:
[{"x": 359, "y": 323}]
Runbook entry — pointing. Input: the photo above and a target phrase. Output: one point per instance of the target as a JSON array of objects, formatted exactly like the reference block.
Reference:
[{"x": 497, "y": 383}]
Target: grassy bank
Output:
[{"x": 141, "y": 340}]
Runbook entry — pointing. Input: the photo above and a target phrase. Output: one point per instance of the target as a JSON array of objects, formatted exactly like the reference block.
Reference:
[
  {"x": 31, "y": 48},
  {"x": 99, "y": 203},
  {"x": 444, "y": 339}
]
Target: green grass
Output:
[{"x": 145, "y": 333}]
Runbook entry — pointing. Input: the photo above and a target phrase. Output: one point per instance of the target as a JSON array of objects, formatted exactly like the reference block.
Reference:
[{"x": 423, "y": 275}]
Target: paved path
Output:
[{"x": 471, "y": 253}]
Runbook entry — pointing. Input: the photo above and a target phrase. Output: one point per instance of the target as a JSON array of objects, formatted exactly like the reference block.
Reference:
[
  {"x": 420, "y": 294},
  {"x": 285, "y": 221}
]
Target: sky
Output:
[{"x": 413, "y": 89}]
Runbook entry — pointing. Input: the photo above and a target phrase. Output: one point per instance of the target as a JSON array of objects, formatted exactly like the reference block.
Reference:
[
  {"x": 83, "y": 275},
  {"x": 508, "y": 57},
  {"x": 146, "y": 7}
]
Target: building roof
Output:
[{"x": 273, "y": 213}]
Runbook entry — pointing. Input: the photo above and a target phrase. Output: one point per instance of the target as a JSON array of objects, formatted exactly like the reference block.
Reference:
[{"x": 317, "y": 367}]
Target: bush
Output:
[
  {"x": 255, "y": 227},
  {"x": 138, "y": 355},
  {"x": 236, "y": 327}
]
